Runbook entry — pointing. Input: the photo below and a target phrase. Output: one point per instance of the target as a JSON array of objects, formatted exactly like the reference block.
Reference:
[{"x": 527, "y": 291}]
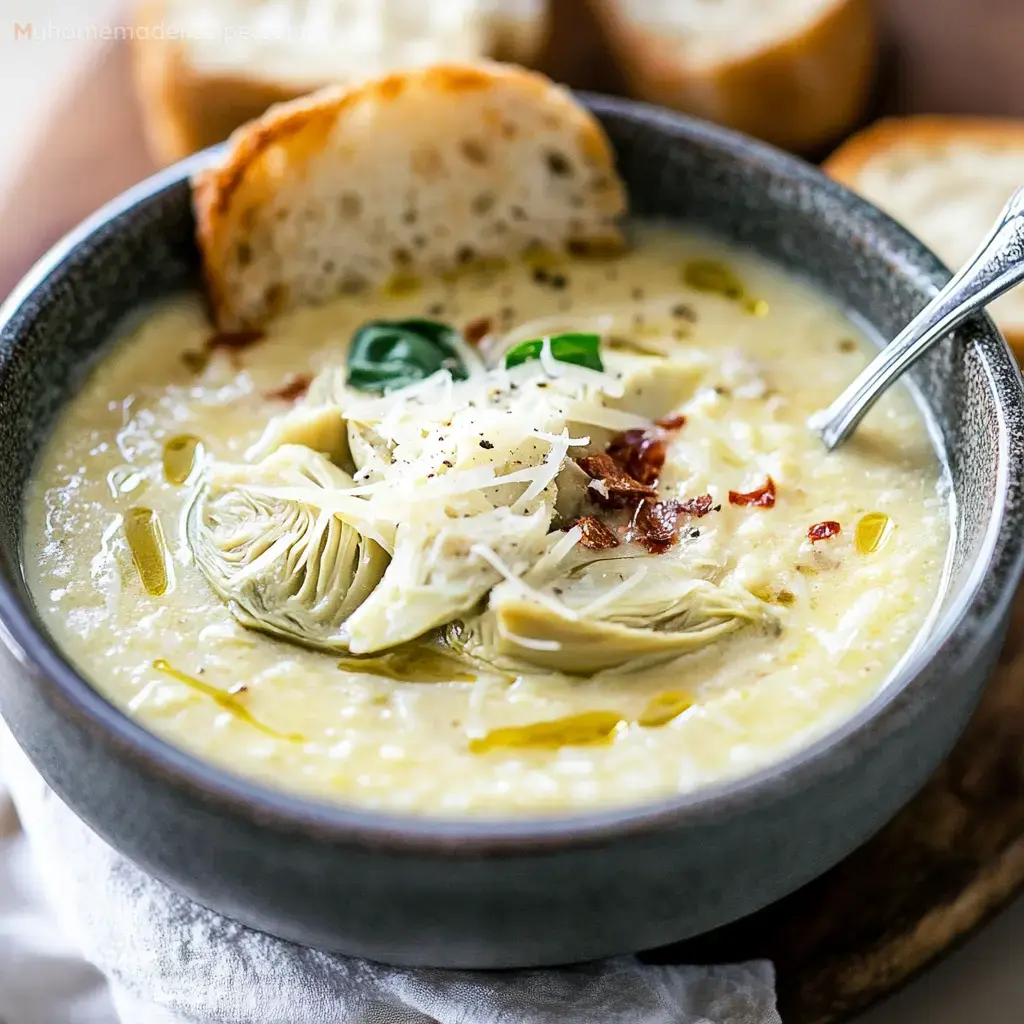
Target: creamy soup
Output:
[{"x": 295, "y": 555}]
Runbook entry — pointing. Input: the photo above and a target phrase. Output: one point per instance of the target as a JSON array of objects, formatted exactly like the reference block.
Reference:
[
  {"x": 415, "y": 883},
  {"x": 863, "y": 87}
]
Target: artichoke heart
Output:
[
  {"x": 369, "y": 452},
  {"x": 573, "y": 490},
  {"x": 656, "y": 387},
  {"x": 320, "y": 427},
  {"x": 608, "y": 613},
  {"x": 438, "y": 575},
  {"x": 334, "y": 415},
  {"x": 285, "y": 563},
  {"x": 319, "y": 421}
]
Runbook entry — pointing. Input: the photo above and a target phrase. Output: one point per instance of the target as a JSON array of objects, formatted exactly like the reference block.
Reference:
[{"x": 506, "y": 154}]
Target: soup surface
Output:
[{"x": 640, "y": 609}]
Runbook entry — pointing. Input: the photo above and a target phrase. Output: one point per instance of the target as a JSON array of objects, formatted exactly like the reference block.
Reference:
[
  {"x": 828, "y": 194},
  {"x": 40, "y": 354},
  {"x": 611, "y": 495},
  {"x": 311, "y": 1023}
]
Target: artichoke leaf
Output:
[
  {"x": 319, "y": 427},
  {"x": 370, "y": 453},
  {"x": 657, "y": 387},
  {"x": 284, "y": 565},
  {"x": 436, "y": 576},
  {"x": 328, "y": 388},
  {"x": 319, "y": 421},
  {"x": 573, "y": 486},
  {"x": 599, "y": 622}
]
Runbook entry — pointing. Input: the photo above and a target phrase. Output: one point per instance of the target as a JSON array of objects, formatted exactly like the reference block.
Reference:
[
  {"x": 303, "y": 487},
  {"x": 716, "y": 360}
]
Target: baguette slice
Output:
[
  {"x": 418, "y": 172},
  {"x": 796, "y": 73},
  {"x": 204, "y": 67},
  {"x": 944, "y": 178}
]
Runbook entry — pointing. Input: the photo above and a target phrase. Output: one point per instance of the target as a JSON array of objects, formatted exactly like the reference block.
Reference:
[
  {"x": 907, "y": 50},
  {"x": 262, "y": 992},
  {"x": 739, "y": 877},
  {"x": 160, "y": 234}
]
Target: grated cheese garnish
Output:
[{"x": 517, "y": 582}]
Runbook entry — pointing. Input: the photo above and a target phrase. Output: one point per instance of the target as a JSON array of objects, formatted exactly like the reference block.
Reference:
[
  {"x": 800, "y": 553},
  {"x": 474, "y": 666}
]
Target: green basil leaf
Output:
[
  {"x": 386, "y": 355},
  {"x": 578, "y": 349}
]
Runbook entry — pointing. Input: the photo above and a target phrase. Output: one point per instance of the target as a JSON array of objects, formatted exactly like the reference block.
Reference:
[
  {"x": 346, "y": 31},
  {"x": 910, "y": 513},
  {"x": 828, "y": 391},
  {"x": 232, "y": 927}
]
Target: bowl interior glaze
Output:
[{"x": 141, "y": 248}]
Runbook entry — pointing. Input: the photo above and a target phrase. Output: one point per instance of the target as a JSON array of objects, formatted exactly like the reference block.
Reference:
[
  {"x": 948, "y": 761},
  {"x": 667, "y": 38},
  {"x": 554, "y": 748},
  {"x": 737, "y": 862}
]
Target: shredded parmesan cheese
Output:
[
  {"x": 545, "y": 474},
  {"x": 446, "y": 469},
  {"x": 597, "y": 415},
  {"x": 517, "y": 582},
  {"x": 558, "y": 553}
]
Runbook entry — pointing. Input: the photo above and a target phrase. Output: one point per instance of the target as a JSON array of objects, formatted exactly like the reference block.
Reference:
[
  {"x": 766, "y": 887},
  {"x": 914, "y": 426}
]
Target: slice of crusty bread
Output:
[
  {"x": 794, "y": 72},
  {"x": 416, "y": 172},
  {"x": 204, "y": 67},
  {"x": 946, "y": 179}
]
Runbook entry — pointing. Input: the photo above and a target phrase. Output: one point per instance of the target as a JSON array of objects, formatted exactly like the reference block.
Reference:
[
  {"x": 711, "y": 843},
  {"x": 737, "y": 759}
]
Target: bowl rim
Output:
[{"x": 281, "y": 811}]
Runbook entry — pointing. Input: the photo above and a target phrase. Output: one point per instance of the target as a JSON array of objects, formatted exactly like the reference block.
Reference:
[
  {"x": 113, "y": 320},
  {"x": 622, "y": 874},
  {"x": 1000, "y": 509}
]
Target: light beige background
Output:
[{"x": 983, "y": 982}]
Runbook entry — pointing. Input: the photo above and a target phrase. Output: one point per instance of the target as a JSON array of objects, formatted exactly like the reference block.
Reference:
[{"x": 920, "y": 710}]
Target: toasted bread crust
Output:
[
  {"x": 214, "y": 190},
  {"x": 798, "y": 93},
  {"x": 847, "y": 161},
  {"x": 184, "y": 111},
  {"x": 420, "y": 121},
  {"x": 923, "y": 131}
]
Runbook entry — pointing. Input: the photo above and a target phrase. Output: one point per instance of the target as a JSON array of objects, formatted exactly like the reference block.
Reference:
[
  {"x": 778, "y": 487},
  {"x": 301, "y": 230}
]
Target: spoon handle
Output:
[{"x": 997, "y": 266}]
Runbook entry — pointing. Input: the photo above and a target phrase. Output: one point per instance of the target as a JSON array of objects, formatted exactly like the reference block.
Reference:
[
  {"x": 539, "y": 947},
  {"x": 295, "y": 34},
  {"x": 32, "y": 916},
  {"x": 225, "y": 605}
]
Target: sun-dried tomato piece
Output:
[
  {"x": 640, "y": 452},
  {"x": 234, "y": 341},
  {"x": 600, "y": 466},
  {"x": 763, "y": 497},
  {"x": 699, "y": 506},
  {"x": 655, "y": 524},
  {"x": 476, "y": 330},
  {"x": 824, "y": 530},
  {"x": 676, "y": 422},
  {"x": 618, "y": 489},
  {"x": 294, "y": 387},
  {"x": 596, "y": 536}
]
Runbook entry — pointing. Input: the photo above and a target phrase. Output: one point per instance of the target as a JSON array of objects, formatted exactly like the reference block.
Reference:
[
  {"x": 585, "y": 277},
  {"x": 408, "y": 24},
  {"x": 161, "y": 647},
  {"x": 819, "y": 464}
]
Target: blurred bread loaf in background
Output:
[
  {"x": 797, "y": 73},
  {"x": 204, "y": 67},
  {"x": 945, "y": 178},
  {"x": 794, "y": 72}
]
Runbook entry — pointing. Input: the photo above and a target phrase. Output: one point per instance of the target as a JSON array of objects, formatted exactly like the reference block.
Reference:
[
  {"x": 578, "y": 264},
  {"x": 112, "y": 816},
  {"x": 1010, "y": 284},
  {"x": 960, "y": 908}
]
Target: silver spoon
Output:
[{"x": 996, "y": 267}]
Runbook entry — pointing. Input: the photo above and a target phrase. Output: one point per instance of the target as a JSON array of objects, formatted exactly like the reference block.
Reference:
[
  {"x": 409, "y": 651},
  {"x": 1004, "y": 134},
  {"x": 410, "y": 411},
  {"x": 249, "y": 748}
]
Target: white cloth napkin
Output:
[{"x": 170, "y": 961}]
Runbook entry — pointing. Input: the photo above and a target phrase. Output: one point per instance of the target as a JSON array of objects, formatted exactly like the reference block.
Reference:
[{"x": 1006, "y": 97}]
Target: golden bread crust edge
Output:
[
  {"x": 848, "y": 160},
  {"x": 185, "y": 109},
  {"x": 302, "y": 125},
  {"x": 213, "y": 189}
]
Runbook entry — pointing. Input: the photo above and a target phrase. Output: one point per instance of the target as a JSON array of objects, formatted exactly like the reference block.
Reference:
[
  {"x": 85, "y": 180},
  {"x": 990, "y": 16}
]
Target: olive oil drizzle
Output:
[
  {"x": 873, "y": 532},
  {"x": 715, "y": 278},
  {"x": 146, "y": 542},
  {"x": 663, "y": 707},
  {"x": 401, "y": 284},
  {"x": 181, "y": 454},
  {"x": 589, "y": 729},
  {"x": 226, "y": 701},
  {"x": 417, "y": 665},
  {"x": 475, "y": 268}
]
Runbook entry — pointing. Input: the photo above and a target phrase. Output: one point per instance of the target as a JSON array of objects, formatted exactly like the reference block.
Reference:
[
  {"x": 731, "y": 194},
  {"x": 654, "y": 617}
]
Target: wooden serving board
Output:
[{"x": 947, "y": 863}]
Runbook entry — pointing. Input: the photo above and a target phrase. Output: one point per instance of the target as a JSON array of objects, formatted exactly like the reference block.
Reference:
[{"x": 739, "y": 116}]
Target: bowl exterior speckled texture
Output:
[{"x": 533, "y": 892}]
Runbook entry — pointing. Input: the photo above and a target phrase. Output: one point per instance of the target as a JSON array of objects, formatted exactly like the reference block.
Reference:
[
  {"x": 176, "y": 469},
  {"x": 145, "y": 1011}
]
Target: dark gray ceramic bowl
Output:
[{"x": 523, "y": 892}]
